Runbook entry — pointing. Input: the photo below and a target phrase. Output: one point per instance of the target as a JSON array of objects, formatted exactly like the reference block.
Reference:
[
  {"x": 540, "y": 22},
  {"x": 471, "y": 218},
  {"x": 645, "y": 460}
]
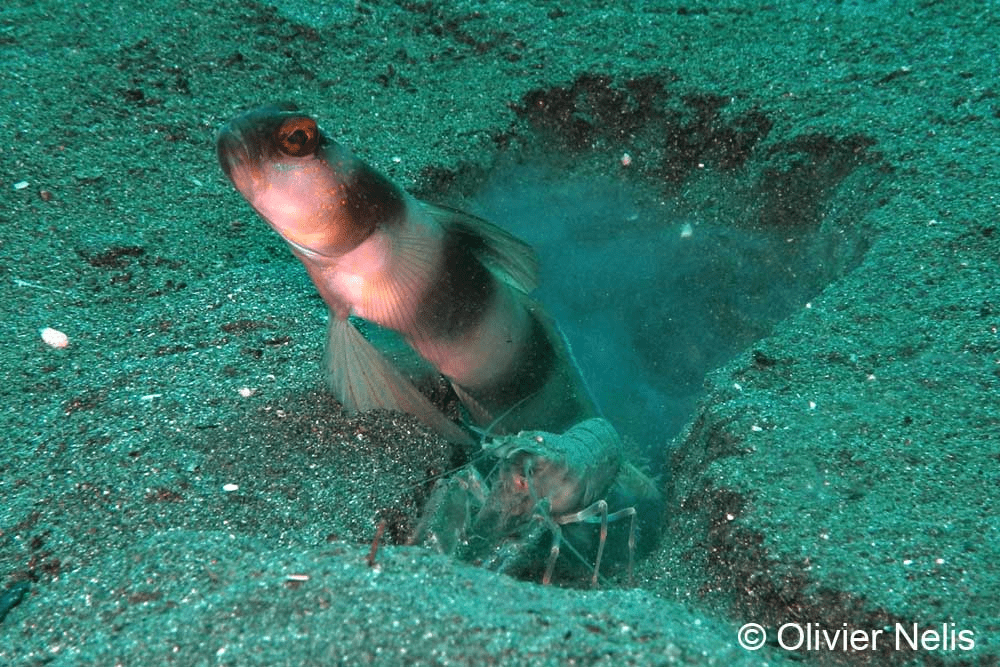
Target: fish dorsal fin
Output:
[
  {"x": 363, "y": 379},
  {"x": 509, "y": 258}
]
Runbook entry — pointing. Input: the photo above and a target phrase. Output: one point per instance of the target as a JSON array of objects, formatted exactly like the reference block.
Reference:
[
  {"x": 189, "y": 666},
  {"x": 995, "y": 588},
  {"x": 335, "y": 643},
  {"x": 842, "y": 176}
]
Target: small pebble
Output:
[{"x": 54, "y": 337}]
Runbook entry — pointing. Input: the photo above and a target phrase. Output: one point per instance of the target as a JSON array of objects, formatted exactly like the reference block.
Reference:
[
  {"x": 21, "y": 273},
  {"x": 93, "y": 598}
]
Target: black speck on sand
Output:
[{"x": 843, "y": 471}]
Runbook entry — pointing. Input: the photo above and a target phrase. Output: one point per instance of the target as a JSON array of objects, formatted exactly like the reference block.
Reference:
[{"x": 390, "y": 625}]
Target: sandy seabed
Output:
[{"x": 839, "y": 468}]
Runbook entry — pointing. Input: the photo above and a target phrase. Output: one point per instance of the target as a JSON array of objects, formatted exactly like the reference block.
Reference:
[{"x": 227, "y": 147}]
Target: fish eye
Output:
[{"x": 297, "y": 137}]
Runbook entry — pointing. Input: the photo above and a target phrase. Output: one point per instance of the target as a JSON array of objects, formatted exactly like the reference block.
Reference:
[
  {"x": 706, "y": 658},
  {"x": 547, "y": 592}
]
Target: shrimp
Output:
[{"x": 540, "y": 483}]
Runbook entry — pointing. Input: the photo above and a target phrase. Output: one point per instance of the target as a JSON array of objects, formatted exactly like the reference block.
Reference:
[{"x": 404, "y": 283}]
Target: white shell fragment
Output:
[{"x": 54, "y": 337}]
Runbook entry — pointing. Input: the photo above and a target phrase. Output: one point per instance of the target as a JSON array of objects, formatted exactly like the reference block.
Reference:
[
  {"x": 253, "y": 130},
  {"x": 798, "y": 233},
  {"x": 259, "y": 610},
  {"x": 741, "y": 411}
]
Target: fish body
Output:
[{"x": 454, "y": 287}]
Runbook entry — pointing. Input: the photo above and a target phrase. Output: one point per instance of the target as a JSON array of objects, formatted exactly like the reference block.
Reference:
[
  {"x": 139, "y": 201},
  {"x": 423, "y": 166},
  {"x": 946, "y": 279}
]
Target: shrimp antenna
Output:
[{"x": 482, "y": 434}]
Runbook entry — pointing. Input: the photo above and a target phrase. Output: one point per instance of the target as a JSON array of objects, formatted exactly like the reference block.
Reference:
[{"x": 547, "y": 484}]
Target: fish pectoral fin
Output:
[
  {"x": 479, "y": 415},
  {"x": 509, "y": 258},
  {"x": 363, "y": 379}
]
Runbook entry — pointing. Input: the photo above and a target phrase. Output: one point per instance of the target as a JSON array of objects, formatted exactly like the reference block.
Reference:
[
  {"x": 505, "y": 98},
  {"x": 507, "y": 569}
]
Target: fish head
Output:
[{"x": 319, "y": 197}]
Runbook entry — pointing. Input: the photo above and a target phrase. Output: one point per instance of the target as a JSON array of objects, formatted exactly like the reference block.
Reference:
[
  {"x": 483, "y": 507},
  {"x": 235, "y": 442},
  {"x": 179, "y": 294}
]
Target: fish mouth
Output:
[
  {"x": 241, "y": 159},
  {"x": 231, "y": 150}
]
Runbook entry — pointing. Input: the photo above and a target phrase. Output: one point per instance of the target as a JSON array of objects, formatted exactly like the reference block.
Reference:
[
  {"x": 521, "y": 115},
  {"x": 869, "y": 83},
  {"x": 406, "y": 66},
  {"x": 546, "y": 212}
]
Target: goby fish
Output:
[{"x": 453, "y": 286}]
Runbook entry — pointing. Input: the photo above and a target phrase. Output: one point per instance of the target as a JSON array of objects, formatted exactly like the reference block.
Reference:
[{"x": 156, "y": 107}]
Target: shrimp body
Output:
[{"x": 540, "y": 483}]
